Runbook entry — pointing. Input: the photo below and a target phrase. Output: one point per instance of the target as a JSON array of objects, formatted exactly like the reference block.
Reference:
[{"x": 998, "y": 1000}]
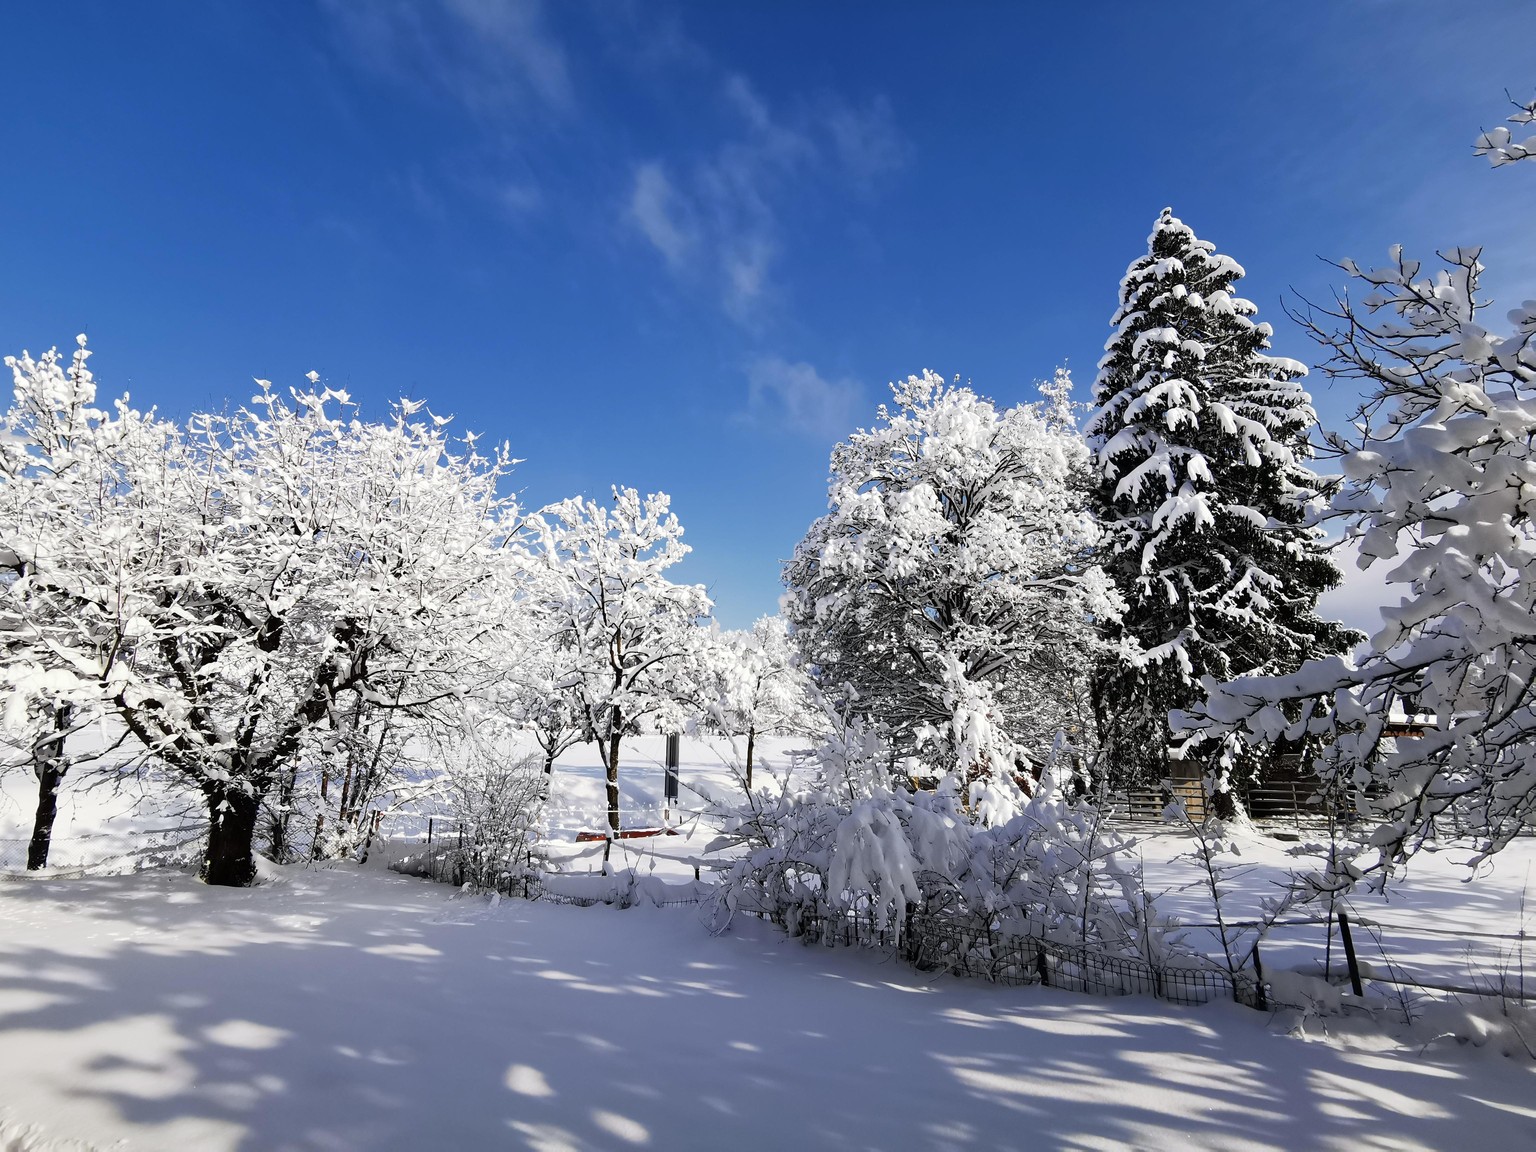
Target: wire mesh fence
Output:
[
  {"x": 1010, "y": 956},
  {"x": 957, "y": 945},
  {"x": 107, "y": 853}
]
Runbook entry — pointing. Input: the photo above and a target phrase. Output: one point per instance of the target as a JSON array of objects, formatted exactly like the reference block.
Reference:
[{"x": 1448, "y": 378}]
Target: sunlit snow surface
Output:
[{"x": 347, "y": 1008}]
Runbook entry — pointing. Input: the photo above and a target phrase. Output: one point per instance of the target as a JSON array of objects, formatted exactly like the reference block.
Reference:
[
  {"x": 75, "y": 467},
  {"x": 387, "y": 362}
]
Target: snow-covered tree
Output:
[
  {"x": 52, "y": 437},
  {"x": 541, "y": 688},
  {"x": 761, "y": 690},
  {"x": 228, "y": 589},
  {"x": 635, "y": 636},
  {"x": 1200, "y": 439},
  {"x": 1440, "y": 481},
  {"x": 949, "y": 592},
  {"x": 528, "y": 670}
]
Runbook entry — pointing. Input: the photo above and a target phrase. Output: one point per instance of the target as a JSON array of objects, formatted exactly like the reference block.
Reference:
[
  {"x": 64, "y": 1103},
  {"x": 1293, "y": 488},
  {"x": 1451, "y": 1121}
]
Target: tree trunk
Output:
[
  {"x": 751, "y": 739},
  {"x": 48, "y": 777},
  {"x": 1220, "y": 802},
  {"x": 231, "y": 860},
  {"x": 282, "y": 844},
  {"x": 49, "y": 764},
  {"x": 613, "y": 780}
]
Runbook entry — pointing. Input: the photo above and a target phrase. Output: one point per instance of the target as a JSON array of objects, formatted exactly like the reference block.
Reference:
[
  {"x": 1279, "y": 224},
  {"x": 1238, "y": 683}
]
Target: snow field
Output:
[
  {"x": 345, "y": 1008},
  {"x": 351, "y": 1008}
]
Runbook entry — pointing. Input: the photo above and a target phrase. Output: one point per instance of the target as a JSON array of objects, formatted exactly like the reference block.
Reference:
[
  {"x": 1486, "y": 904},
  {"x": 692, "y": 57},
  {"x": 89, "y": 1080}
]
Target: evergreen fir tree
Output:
[{"x": 1199, "y": 439}]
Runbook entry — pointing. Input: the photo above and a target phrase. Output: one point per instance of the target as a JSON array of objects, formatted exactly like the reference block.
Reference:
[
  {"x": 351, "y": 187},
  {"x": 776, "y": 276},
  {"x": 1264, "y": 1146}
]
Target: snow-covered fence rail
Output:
[{"x": 1295, "y": 802}]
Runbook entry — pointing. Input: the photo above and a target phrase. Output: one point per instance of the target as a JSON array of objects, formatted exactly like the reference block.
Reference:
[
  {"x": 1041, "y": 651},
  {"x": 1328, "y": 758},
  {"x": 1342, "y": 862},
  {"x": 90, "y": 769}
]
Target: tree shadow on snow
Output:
[{"x": 340, "y": 1011}]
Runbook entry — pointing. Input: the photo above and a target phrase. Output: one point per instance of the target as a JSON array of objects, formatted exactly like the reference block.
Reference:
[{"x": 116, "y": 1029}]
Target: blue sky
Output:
[{"x": 684, "y": 246}]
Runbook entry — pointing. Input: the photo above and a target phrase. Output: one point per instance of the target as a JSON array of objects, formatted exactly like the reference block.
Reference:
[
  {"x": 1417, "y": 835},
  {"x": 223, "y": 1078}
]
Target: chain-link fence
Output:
[
  {"x": 1009, "y": 956},
  {"x": 108, "y": 853}
]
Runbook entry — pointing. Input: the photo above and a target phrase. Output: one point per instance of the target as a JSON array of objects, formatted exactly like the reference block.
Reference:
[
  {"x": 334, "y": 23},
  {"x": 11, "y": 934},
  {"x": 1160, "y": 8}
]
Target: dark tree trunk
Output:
[
  {"x": 549, "y": 775},
  {"x": 50, "y": 765},
  {"x": 282, "y": 820},
  {"x": 48, "y": 778},
  {"x": 231, "y": 860},
  {"x": 613, "y": 778},
  {"x": 317, "y": 839},
  {"x": 751, "y": 739},
  {"x": 1220, "y": 802}
]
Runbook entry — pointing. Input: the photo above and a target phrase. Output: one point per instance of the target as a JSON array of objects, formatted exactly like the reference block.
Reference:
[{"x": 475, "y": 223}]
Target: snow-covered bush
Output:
[
  {"x": 496, "y": 802},
  {"x": 855, "y": 848}
]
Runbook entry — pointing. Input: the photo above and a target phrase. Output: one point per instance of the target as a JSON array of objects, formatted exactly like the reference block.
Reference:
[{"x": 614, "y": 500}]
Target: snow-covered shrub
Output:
[
  {"x": 496, "y": 803},
  {"x": 857, "y": 848}
]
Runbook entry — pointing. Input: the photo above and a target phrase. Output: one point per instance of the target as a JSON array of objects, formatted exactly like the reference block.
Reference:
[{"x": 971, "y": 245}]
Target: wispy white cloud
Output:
[
  {"x": 509, "y": 42},
  {"x": 746, "y": 264},
  {"x": 520, "y": 199},
  {"x": 494, "y": 56},
  {"x": 721, "y": 221},
  {"x": 649, "y": 40},
  {"x": 800, "y": 398},
  {"x": 654, "y": 208},
  {"x": 497, "y": 60},
  {"x": 866, "y": 140}
]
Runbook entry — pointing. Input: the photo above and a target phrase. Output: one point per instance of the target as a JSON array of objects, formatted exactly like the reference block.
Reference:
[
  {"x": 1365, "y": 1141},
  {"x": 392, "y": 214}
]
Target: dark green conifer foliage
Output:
[{"x": 1200, "y": 439}]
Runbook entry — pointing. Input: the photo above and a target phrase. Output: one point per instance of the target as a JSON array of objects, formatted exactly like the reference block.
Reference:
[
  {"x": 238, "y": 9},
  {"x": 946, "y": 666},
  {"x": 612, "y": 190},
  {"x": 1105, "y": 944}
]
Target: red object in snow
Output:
[{"x": 626, "y": 834}]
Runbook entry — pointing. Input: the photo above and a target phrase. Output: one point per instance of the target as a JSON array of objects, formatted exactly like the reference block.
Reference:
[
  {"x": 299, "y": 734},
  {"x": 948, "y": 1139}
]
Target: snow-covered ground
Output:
[
  {"x": 353, "y": 1008},
  {"x": 340, "y": 1008}
]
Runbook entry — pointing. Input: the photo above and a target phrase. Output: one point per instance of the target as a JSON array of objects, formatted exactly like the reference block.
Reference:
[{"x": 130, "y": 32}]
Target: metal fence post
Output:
[{"x": 1349, "y": 954}]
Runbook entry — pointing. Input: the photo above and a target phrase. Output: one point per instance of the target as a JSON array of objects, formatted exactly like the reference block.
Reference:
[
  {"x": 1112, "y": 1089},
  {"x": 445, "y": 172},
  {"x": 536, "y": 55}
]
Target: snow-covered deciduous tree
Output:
[
  {"x": 53, "y": 437},
  {"x": 636, "y": 637},
  {"x": 227, "y": 589},
  {"x": 1440, "y": 482},
  {"x": 531, "y": 670},
  {"x": 949, "y": 593},
  {"x": 1200, "y": 439},
  {"x": 760, "y": 688}
]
